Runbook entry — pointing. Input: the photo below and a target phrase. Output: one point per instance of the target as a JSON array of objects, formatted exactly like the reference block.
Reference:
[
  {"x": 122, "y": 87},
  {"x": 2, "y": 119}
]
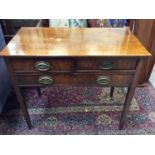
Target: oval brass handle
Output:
[
  {"x": 46, "y": 80},
  {"x": 106, "y": 66},
  {"x": 103, "y": 80},
  {"x": 42, "y": 66}
]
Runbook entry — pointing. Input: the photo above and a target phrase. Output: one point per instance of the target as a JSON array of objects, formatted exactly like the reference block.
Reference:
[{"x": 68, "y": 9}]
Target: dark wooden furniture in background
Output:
[
  {"x": 144, "y": 30},
  {"x": 11, "y": 26},
  {"x": 74, "y": 56}
]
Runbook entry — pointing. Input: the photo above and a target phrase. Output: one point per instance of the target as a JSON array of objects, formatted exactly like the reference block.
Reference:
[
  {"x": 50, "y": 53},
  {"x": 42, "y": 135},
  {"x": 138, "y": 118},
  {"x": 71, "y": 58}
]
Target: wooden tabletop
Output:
[{"x": 80, "y": 42}]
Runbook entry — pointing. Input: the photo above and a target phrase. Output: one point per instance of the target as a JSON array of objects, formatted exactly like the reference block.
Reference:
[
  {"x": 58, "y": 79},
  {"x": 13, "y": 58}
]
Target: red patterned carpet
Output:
[{"x": 81, "y": 110}]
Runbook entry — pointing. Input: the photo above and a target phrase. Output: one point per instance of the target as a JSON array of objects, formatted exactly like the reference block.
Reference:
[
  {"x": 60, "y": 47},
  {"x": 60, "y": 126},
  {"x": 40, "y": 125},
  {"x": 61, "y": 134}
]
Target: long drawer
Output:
[{"x": 75, "y": 79}]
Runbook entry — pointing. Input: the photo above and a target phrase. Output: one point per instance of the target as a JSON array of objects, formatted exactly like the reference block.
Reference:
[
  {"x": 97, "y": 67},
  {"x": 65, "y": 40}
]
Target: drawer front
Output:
[
  {"x": 106, "y": 64},
  {"x": 74, "y": 79},
  {"x": 41, "y": 65}
]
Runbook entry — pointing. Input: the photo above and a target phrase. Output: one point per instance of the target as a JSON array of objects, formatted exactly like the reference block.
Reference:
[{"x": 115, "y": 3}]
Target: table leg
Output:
[
  {"x": 130, "y": 94},
  {"x": 112, "y": 92},
  {"x": 38, "y": 91},
  {"x": 23, "y": 106}
]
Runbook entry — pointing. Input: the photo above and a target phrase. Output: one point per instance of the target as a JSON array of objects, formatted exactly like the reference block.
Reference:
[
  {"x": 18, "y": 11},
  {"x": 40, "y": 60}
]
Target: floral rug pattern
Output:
[{"x": 82, "y": 110}]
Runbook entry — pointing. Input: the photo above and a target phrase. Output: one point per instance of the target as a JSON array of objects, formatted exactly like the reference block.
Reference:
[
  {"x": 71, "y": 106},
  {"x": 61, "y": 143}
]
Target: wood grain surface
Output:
[{"x": 78, "y": 42}]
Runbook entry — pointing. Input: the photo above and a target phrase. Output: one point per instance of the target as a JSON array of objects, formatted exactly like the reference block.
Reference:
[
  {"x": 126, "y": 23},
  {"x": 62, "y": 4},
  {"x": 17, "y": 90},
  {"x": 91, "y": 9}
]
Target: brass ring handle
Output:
[
  {"x": 46, "y": 80},
  {"x": 106, "y": 66},
  {"x": 42, "y": 66},
  {"x": 103, "y": 80}
]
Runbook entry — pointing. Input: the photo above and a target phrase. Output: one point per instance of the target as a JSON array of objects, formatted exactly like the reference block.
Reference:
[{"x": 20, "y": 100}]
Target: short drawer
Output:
[
  {"x": 41, "y": 64},
  {"x": 106, "y": 64},
  {"x": 75, "y": 79}
]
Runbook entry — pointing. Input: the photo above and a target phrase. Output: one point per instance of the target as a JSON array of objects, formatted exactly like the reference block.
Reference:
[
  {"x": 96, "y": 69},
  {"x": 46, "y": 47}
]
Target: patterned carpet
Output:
[{"x": 81, "y": 110}]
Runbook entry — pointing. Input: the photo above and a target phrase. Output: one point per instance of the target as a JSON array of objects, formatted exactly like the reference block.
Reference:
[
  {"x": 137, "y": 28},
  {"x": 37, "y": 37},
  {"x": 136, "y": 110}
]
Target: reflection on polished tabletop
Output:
[{"x": 74, "y": 42}]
